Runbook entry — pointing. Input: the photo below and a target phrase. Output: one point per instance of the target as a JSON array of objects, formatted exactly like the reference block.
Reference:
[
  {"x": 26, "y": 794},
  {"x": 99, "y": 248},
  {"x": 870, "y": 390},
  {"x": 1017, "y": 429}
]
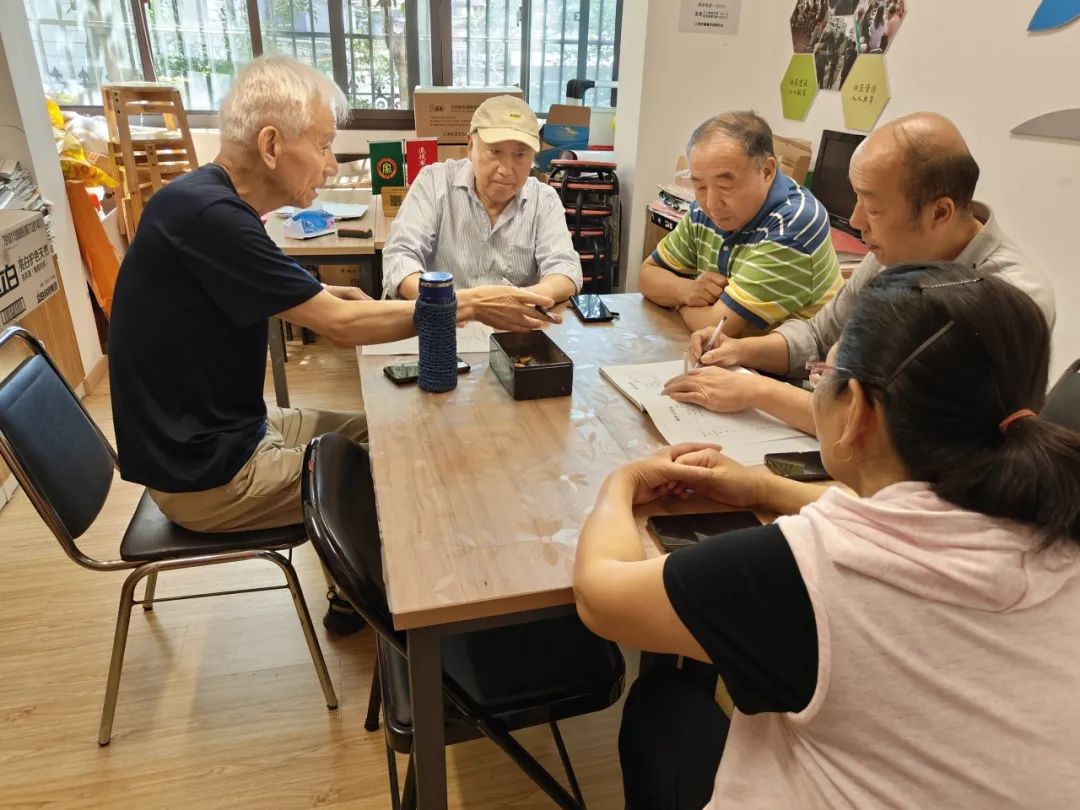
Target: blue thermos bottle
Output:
[{"x": 436, "y": 324}]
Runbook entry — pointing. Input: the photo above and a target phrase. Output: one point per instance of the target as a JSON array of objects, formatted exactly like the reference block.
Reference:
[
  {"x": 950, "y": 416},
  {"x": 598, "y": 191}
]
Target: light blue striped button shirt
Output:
[{"x": 443, "y": 225}]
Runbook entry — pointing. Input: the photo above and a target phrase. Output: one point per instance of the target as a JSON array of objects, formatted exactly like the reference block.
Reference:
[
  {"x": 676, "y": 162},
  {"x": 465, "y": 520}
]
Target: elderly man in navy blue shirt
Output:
[{"x": 191, "y": 421}]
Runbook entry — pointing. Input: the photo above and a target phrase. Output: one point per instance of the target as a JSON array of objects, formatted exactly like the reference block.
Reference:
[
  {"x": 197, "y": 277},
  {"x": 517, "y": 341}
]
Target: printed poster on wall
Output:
[
  {"x": 710, "y": 16},
  {"x": 837, "y": 32}
]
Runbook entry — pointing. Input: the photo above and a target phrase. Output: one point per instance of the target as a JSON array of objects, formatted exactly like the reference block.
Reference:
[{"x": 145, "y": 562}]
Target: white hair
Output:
[{"x": 276, "y": 91}]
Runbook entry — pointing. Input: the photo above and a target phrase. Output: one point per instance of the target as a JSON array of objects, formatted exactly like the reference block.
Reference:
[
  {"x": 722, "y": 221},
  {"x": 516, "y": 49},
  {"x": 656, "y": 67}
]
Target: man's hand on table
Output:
[{"x": 509, "y": 308}]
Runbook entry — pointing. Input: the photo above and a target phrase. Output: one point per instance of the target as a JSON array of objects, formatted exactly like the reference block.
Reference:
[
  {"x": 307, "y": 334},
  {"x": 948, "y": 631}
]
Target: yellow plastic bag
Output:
[{"x": 74, "y": 164}]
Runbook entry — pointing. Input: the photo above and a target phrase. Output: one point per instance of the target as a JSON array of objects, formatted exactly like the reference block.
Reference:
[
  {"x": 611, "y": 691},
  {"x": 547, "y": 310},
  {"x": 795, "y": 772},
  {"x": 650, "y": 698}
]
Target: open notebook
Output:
[{"x": 746, "y": 436}]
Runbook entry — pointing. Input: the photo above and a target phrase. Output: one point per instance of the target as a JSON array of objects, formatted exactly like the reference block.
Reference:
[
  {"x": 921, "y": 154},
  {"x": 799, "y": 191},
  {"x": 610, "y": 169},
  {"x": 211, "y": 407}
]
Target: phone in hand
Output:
[
  {"x": 409, "y": 371},
  {"x": 678, "y": 531},
  {"x": 592, "y": 309},
  {"x": 797, "y": 466}
]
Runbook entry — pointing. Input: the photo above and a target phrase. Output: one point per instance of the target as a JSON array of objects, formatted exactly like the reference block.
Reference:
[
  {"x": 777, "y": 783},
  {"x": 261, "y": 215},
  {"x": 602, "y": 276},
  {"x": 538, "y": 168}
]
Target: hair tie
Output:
[{"x": 1023, "y": 413}]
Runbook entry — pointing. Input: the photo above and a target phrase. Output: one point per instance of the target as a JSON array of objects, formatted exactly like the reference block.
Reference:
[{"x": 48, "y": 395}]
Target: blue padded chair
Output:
[{"x": 65, "y": 465}]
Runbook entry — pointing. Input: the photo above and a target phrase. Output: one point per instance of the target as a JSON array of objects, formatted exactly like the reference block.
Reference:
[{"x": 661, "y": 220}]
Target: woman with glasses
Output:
[{"x": 907, "y": 641}]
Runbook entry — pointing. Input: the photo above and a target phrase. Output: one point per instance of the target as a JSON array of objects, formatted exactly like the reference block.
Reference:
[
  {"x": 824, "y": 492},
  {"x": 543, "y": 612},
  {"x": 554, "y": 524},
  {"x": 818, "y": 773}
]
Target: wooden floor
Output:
[{"x": 219, "y": 704}]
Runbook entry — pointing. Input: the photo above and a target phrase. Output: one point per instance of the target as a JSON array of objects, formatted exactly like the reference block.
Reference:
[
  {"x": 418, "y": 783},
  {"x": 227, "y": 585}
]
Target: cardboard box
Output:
[
  {"x": 340, "y": 275},
  {"x": 27, "y": 271},
  {"x": 446, "y": 112},
  {"x": 452, "y": 151},
  {"x": 793, "y": 155},
  {"x": 392, "y": 198}
]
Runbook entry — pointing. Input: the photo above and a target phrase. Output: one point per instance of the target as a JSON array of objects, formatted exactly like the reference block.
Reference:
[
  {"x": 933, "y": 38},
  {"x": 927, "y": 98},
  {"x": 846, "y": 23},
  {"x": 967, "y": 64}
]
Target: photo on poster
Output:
[
  {"x": 876, "y": 23},
  {"x": 808, "y": 22},
  {"x": 816, "y": 27},
  {"x": 835, "y": 52}
]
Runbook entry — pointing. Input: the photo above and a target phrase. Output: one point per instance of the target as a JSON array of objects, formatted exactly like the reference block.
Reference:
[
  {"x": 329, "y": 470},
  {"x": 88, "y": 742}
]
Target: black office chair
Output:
[
  {"x": 1063, "y": 402},
  {"x": 65, "y": 466},
  {"x": 494, "y": 681}
]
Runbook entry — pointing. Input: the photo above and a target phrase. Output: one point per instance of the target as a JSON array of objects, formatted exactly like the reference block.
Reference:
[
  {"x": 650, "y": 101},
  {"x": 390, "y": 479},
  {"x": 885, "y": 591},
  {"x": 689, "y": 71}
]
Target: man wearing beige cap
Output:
[{"x": 484, "y": 219}]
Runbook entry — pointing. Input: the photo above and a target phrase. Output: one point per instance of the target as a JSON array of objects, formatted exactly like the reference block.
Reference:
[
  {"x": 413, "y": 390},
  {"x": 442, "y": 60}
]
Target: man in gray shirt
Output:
[
  {"x": 484, "y": 219},
  {"x": 914, "y": 180}
]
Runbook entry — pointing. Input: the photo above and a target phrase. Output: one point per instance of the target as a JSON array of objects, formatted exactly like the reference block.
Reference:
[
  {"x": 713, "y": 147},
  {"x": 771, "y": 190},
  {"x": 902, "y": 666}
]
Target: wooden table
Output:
[
  {"x": 330, "y": 249},
  {"x": 481, "y": 498}
]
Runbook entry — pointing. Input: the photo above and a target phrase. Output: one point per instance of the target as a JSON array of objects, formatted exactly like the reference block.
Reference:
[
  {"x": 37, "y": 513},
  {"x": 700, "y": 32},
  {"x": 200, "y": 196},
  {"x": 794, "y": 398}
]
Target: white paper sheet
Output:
[
  {"x": 472, "y": 338},
  {"x": 636, "y": 382},
  {"x": 746, "y": 436}
]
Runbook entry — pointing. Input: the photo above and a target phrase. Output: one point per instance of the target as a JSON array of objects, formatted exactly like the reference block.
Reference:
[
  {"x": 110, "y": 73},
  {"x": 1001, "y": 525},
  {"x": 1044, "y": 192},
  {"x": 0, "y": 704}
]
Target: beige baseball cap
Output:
[{"x": 506, "y": 118}]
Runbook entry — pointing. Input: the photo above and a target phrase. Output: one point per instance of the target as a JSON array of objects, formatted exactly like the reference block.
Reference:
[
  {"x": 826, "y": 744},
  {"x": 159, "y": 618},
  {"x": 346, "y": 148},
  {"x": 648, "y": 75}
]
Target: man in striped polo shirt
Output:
[{"x": 755, "y": 246}]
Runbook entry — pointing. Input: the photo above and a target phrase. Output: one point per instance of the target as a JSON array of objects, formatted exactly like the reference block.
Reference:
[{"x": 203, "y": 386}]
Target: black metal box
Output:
[{"x": 530, "y": 365}]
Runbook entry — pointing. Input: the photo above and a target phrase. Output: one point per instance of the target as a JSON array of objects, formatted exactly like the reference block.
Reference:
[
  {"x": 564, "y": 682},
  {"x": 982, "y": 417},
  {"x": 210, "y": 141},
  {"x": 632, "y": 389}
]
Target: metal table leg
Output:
[
  {"x": 277, "y": 362},
  {"x": 429, "y": 732}
]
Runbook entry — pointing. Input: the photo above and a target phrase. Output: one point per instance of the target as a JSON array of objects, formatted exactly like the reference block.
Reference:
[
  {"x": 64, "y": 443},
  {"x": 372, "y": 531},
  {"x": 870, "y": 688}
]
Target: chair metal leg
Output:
[
  {"x": 561, "y": 746},
  {"x": 371, "y": 722},
  {"x": 123, "y": 619},
  {"x": 148, "y": 595},
  {"x": 391, "y": 767},
  {"x": 408, "y": 799},
  {"x": 497, "y": 733},
  {"x": 305, "y": 623}
]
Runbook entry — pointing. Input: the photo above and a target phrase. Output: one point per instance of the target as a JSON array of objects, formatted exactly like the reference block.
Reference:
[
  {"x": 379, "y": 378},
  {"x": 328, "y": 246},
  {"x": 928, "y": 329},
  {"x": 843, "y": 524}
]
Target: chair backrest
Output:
[
  {"x": 52, "y": 445},
  {"x": 338, "y": 496},
  {"x": 1062, "y": 404}
]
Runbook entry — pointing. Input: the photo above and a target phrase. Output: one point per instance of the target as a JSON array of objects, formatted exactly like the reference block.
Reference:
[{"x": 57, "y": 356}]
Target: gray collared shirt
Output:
[
  {"x": 444, "y": 226},
  {"x": 990, "y": 252}
]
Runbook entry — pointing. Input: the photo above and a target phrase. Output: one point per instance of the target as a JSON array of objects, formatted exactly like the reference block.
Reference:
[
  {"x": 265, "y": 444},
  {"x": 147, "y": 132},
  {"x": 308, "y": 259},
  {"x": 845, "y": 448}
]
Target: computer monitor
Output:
[{"x": 831, "y": 185}]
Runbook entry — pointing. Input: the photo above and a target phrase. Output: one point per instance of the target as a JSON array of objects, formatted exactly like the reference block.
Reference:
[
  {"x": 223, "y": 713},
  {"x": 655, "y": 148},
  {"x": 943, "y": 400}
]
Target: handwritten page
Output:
[
  {"x": 472, "y": 338},
  {"x": 636, "y": 382},
  {"x": 746, "y": 436}
]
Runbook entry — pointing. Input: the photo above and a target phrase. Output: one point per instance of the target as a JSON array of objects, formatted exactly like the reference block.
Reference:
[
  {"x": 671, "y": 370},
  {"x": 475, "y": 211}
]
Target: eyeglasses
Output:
[{"x": 816, "y": 368}]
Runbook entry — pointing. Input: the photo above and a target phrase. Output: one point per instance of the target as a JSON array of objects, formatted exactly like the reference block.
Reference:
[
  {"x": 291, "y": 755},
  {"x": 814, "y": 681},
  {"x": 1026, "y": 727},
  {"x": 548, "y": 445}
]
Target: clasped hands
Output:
[{"x": 683, "y": 468}]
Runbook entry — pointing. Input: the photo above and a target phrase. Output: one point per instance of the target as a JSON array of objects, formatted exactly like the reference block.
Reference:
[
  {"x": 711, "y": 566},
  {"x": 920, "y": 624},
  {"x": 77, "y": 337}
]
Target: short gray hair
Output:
[
  {"x": 746, "y": 127},
  {"x": 276, "y": 91}
]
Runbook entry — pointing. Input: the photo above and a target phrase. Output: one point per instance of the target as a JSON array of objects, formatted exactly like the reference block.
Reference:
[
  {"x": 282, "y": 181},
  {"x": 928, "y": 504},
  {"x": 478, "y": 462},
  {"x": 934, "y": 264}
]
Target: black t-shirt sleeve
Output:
[
  {"x": 232, "y": 257},
  {"x": 741, "y": 596}
]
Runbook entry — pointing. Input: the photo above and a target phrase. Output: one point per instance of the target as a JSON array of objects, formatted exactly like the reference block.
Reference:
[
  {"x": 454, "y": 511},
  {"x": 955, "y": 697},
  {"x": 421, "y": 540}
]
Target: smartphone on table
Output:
[
  {"x": 592, "y": 309},
  {"x": 678, "y": 531},
  {"x": 409, "y": 370},
  {"x": 797, "y": 466}
]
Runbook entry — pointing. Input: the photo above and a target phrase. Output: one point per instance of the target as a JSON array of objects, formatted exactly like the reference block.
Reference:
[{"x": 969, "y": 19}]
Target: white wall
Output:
[
  {"x": 28, "y": 136},
  {"x": 981, "y": 69}
]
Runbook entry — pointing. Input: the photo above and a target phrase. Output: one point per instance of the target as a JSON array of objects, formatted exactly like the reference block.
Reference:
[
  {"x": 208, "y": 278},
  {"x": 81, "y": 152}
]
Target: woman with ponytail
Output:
[{"x": 912, "y": 640}]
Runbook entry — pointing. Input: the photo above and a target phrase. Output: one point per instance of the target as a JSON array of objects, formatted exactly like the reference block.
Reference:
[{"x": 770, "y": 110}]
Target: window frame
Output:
[{"x": 441, "y": 56}]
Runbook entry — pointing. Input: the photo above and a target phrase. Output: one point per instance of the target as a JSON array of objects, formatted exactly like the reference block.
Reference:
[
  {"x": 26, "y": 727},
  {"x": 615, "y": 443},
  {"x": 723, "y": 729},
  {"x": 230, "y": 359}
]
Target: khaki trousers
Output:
[{"x": 266, "y": 491}]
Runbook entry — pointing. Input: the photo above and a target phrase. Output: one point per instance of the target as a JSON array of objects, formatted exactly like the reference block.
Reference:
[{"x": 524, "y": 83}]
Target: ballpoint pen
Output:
[{"x": 712, "y": 341}]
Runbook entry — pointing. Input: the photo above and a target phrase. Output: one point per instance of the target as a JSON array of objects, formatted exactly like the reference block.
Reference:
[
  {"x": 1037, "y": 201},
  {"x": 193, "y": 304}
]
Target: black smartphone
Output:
[
  {"x": 409, "y": 371},
  {"x": 679, "y": 531},
  {"x": 797, "y": 466},
  {"x": 591, "y": 309}
]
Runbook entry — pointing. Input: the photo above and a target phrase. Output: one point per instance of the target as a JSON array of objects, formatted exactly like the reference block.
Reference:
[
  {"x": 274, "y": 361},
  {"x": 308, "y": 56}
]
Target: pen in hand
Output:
[
  {"x": 545, "y": 313},
  {"x": 712, "y": 341}
]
